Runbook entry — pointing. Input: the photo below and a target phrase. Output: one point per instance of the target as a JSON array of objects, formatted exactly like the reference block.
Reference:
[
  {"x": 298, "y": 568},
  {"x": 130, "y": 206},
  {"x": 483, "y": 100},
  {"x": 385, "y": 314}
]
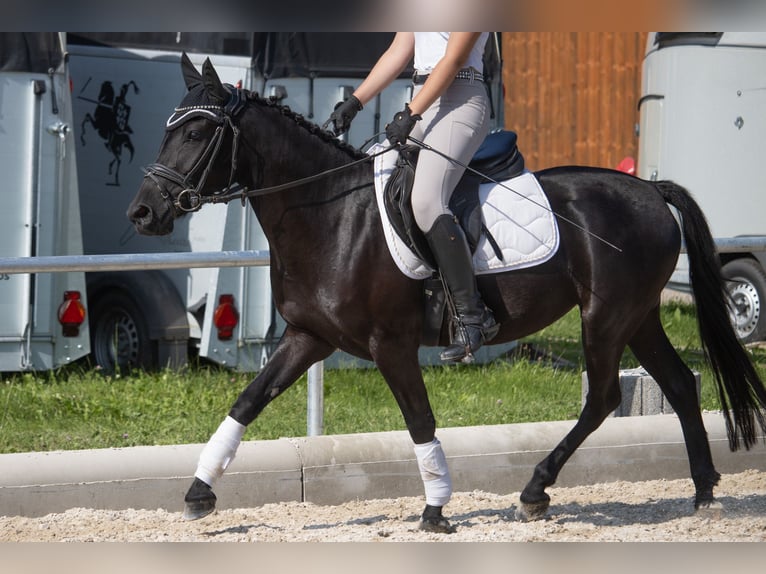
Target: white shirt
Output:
[{"x": 430, "y": 47}]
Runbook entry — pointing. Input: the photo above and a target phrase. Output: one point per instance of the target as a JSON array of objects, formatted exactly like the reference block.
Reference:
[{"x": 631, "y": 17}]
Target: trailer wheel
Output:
[
  {"x": 119, "y": 334},
  {"x": 746, "y": 282}
]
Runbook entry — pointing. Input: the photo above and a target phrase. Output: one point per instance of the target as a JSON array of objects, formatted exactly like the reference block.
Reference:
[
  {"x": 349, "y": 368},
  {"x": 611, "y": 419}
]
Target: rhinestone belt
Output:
[{"x": 464, "y": 74}]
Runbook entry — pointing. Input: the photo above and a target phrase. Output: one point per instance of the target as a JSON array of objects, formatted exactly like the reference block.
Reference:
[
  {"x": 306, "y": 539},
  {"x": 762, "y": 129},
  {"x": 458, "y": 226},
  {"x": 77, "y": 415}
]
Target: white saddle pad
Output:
[{"x": 517, "y": 214}]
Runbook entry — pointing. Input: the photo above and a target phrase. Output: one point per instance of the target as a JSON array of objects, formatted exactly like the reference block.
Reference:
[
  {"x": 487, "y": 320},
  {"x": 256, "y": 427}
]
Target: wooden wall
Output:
[{"x": 572, "y": 96}]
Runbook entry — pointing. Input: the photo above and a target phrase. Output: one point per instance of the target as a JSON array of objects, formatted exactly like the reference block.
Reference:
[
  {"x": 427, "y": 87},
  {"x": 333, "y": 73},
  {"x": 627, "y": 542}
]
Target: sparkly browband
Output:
[
  {"x": 210, "y": 111},
  {"x": 181, "y": 115}
]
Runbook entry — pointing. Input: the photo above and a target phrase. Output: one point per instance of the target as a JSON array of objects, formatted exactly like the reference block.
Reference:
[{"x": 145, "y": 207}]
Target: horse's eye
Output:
[{"x": 194, "y": 135}]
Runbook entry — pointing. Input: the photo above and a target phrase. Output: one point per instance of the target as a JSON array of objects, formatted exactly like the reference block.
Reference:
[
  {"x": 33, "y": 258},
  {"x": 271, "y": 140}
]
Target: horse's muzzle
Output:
[{"x": 147, "y": 222}]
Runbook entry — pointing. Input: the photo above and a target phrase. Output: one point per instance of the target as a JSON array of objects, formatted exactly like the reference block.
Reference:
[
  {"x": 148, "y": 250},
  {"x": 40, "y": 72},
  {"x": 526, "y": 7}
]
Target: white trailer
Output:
[
  {"x": 703, "y": 125},
  {"x": 42, "y": 316},
  {"x": 124, "y": 87}
]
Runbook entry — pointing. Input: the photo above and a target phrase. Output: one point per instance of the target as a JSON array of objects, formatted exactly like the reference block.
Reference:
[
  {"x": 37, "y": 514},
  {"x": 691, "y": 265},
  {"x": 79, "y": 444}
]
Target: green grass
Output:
[{"x": 76, "y": 408}]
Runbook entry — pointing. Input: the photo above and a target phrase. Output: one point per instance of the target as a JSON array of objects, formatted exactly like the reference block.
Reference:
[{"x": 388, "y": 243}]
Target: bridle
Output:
[
  {"x": 224, "y": 117},
  {"x": 190, "y": 199}
]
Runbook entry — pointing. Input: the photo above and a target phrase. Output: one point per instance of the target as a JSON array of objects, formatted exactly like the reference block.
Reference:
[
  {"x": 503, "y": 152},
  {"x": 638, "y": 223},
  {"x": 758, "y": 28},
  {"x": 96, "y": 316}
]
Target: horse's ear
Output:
[
  {"x": 191, "y": 76},
  {"x": 213, "y": 85}
]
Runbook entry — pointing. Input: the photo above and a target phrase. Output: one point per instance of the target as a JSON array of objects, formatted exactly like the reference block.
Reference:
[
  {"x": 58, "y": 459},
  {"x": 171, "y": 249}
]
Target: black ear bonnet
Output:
[{"x": 198, "y": 103}]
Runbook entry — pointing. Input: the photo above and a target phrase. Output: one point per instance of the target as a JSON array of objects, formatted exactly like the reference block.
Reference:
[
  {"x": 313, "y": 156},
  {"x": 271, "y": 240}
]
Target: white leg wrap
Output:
[
  {"x": 219, "y": 451},
  {"x": 434, "y": 472}
]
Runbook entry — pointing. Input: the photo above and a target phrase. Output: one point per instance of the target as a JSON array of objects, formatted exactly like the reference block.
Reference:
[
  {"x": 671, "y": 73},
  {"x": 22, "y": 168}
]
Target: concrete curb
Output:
[{"x": 335, "y": 469}]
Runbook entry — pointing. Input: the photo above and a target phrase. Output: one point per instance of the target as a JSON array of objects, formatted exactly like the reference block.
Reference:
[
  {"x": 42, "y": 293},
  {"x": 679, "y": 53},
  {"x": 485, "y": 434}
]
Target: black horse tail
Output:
[{"x": 734, "y": 372}]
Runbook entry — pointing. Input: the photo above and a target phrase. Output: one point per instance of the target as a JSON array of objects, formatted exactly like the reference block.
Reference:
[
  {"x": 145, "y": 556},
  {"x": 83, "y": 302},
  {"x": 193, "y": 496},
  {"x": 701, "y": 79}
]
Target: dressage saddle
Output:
[{"x": 497, "y": 158}]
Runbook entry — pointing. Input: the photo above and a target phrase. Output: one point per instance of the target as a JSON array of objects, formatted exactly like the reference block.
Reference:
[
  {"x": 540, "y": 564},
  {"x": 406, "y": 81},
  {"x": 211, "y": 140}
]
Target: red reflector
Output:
[
  {"x": 71, "y": 313},
  {"x": 225, "y": 317},
  {"x": 627, "y": 165}
]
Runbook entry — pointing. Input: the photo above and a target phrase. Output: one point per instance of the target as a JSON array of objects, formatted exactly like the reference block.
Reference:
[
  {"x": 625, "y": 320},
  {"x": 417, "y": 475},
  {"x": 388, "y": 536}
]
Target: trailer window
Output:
[
  {"x": 667, "y": 39},
  {"x": 227, "y": 43},
  {"x": 36, "y": 52},
  {"x": 277, "y": 54}
]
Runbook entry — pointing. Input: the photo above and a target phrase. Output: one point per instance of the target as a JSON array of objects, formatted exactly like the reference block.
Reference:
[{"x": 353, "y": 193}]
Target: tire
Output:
[
  {"x": 746, "y": 282},
  {"x": 119, "y": 334}
]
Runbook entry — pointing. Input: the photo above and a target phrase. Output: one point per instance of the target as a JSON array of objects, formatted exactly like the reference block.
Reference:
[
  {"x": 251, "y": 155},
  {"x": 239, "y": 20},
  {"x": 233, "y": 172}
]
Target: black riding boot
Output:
[{"x": 474, "y": 324}]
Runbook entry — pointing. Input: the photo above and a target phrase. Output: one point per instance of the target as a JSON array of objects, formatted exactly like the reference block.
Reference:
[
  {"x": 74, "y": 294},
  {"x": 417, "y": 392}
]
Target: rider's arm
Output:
[{"x": 388, "y": 67}]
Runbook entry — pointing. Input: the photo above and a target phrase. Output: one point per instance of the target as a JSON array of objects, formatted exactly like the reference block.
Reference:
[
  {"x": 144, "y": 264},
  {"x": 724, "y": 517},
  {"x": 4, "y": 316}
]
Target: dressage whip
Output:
[{"x": 501, "y": 184}]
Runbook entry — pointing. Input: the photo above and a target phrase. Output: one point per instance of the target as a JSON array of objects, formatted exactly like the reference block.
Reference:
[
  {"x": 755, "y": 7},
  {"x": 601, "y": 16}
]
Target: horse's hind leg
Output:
[
  {"x": 602, "y": 355},
  {"x": 653, "y": 349},
  {"x": 296, "y": 352}
]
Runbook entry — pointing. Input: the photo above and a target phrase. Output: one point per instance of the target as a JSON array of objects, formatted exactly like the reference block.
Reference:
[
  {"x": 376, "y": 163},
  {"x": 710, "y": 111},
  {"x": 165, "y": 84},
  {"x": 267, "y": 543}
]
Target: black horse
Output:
[{"x": 337, "y": 287}]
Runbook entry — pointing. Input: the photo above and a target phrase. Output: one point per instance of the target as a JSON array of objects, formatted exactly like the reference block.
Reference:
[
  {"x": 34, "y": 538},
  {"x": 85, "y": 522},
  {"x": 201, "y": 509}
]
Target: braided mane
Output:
[{"x": 314, "y": 129}]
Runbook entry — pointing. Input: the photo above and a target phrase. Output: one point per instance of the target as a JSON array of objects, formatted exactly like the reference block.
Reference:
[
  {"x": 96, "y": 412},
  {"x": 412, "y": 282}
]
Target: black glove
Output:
[
  {"x": 345, "y": 111},
  {"x": 401, "y": 126}
]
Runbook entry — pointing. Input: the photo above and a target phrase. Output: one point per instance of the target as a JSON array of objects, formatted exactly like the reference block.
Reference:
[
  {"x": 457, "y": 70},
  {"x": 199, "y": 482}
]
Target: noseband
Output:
[{"x": 190, "y": 199}]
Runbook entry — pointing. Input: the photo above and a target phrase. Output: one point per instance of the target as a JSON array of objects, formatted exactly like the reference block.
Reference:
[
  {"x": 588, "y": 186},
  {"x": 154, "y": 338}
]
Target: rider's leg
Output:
[
  {"x": 456, "y": 125},
  {"x": 474, "y": 324}
]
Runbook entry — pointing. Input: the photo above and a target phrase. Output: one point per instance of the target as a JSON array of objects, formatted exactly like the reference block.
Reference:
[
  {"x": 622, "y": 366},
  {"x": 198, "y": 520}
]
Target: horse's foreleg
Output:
[
  {"x": 405, "y": 380},
  {"x": 296, "y": 352},
  {"x": 602, "y": 363},
  {"x": 656, "y": 354}
]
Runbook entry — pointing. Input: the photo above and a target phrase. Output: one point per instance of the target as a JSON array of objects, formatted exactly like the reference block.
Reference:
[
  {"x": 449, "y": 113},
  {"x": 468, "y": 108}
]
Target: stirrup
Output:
[
  {"x": 461, "y": 350},
  {"x": 457, "y": 354}
]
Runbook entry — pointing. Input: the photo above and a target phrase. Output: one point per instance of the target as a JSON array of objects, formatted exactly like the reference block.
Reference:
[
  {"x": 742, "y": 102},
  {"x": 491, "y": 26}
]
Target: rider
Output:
[{"x": 449, "y": 111}]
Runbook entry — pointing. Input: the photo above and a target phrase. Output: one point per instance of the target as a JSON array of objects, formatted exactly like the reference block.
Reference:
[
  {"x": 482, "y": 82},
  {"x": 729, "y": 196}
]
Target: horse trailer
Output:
[
  {"x": 43, "y": 324},
  {"x": 703, "y": 125},
  {"x": 124, "y": 85}
]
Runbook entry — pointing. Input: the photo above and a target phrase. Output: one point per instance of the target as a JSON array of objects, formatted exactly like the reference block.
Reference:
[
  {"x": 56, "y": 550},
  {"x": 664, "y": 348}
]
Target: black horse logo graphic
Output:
[{"x": 110, "y": 119}]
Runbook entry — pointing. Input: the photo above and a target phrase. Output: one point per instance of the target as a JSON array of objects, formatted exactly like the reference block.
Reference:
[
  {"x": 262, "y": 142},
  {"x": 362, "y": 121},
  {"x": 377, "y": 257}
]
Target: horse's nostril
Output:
[{"x": 140, "y": 212}]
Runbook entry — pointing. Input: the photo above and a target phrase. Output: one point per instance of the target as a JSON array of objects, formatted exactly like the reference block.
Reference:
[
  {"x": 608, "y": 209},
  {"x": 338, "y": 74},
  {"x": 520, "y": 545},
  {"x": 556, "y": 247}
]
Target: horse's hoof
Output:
[
  {"x": 200, "y": 501},
  {"x": 432, "y": 520},
  {"x": 530, "y": 512},
  {"x": 439, "y": 525},
  {"x": 197, "y": 510},
  {"x": 710, "y": 509}
]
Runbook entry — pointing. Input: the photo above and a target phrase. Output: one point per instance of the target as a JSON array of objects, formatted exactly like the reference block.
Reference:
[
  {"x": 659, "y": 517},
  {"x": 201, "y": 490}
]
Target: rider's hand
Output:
[
  {"x": 401, "y": 126},
  {"x": 344, "y": 113}
]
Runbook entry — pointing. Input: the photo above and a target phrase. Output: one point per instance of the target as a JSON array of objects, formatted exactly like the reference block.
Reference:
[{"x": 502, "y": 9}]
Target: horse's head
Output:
[{"x": 197, "y": 156}]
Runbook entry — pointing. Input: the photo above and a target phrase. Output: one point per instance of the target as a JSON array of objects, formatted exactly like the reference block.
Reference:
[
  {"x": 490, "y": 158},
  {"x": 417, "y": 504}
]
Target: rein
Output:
[
  {"x": 190, "y": 199},
  {"x": 230, "y": 194}
]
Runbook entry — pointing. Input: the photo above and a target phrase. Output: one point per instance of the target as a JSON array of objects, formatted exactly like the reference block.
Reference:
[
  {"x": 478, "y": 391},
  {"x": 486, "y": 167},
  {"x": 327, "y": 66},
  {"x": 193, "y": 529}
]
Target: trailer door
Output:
[{"x": 20, "y": 142}]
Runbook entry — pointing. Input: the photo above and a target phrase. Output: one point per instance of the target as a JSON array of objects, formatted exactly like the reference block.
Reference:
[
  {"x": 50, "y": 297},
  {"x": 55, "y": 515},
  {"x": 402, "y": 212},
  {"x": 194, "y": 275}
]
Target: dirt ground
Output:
[{"x": 620, "y": 511}]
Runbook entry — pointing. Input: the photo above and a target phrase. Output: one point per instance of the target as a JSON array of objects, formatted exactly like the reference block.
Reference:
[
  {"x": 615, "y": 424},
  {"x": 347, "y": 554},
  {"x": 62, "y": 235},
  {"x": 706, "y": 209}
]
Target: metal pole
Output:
[
  {"x": 130, "y": 261},
  {"x": 315, "y": 408},
  {"x": 740, "y": 244}
]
